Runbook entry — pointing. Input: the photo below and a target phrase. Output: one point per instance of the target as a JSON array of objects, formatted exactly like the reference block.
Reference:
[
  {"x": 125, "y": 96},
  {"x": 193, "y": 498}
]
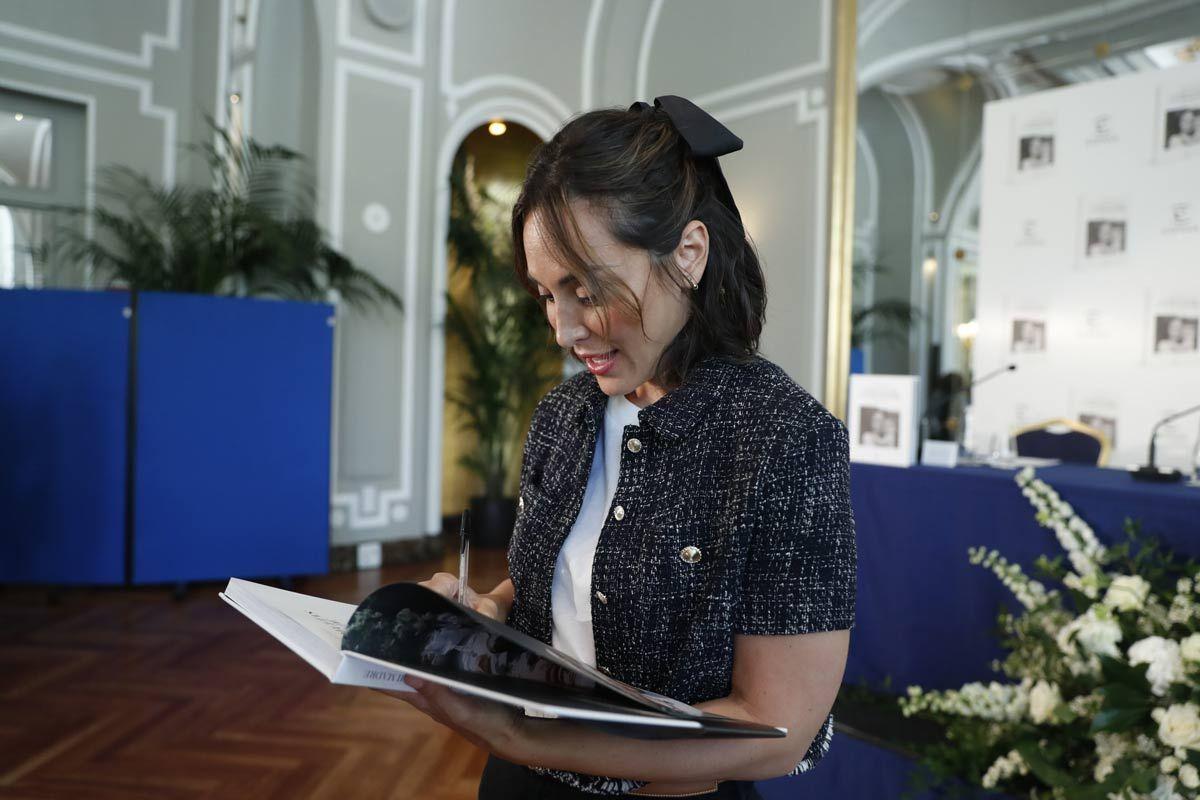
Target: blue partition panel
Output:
[
  {"x": 62, "y": 436},
  {"x": 233, "y": 415}
]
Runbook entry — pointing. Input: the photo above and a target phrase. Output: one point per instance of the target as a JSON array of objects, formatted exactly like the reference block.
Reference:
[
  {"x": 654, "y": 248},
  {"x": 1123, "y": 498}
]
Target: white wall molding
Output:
[
  {"x": 871, "y": 20},
  {"x": 801, "y": 72},
  {"x": 587, "y": 69},
  {"x": 455, "y": 94},
  {"x": 922, "y": 166},
  {"x": 643, "y": 57},
  {"x": 368, "y": 506},
  {"x": 540, "y": 122},
  {"x": 413, "y": 58},
  {"x": 880, "y": 70},
  {"x": 144, "y": 59},
  {"x": 220, "y": 108},
  {"x": 143, "y": 88}
]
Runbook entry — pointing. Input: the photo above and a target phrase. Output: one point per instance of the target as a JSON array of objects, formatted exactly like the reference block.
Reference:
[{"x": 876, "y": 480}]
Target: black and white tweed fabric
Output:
[{"x": 740, "y": 462}]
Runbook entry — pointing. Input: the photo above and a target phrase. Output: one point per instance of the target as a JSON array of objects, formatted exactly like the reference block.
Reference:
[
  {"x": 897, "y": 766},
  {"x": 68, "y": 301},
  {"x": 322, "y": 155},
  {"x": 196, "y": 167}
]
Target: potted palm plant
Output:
[
  {"x": 512, "y": 356},
  {"x": 249, "y": 232}
]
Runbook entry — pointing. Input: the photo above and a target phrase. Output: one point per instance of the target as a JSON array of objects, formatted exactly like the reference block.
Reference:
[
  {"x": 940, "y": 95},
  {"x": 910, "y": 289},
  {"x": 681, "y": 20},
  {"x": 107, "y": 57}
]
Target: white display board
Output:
[
  {"x": 883, "y": 414},
  {"x": 1089, "y": 271}
]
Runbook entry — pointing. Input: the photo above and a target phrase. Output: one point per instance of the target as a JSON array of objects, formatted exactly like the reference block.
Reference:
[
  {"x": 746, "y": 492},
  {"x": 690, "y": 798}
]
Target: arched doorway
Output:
[{"x": 484, "y": 411}]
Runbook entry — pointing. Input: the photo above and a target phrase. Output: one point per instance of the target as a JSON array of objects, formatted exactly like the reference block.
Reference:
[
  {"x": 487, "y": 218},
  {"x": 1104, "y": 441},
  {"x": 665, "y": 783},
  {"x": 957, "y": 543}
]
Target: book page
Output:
[{"x": 310, "y": 626}]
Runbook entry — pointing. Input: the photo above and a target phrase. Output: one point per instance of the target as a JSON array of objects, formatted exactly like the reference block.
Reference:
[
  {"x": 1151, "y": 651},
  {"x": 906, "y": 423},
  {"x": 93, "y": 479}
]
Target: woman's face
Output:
[{"x": 624, "y": 361}]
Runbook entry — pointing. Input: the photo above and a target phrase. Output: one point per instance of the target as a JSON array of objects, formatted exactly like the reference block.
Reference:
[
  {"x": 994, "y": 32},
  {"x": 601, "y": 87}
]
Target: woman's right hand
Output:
[{"x": 446, "y": 585}]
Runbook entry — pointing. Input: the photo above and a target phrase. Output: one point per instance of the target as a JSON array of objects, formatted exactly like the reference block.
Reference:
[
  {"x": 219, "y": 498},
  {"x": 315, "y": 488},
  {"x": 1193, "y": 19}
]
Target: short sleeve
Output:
[{"x": 800, "y": 574}]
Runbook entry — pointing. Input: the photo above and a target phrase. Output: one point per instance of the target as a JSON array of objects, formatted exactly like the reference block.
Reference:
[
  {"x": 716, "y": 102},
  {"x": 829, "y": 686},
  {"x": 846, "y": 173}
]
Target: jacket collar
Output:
[{"x": 675, "y": 414}]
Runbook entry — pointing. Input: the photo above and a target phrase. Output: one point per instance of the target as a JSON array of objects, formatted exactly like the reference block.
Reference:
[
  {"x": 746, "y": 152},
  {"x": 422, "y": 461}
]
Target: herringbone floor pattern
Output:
[{"x": 131, "y": 694}]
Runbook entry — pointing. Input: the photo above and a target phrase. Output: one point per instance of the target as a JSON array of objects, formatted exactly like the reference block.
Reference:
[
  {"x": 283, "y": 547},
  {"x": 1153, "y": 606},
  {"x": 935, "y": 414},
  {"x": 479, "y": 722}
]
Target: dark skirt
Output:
[{"x": 503, "y": 780}]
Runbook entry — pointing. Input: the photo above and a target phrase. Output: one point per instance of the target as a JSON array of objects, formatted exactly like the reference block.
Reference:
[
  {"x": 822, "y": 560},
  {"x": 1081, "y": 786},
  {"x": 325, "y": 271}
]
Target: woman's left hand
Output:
[{"x": 492, "y": 726}]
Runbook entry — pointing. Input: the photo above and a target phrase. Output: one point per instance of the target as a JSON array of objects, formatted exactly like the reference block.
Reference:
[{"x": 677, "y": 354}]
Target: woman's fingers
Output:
[
  {"x": 487, "y": 606},
  {"x": 412, "y": 698},
  {"x": 443, "y": 583}
]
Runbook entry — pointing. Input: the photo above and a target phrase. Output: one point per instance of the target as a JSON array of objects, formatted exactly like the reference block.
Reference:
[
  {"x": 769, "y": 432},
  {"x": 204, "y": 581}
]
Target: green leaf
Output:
[
  {"x": 1116, "y": 671},
  {"x": 1119, "y": 719},
  {"x": 1046, "y": 772},
  {"x": 1119, "y": 695}
]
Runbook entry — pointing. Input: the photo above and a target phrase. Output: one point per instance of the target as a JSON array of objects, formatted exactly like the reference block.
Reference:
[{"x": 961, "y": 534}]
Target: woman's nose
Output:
[{"x": 568, "y": 330}]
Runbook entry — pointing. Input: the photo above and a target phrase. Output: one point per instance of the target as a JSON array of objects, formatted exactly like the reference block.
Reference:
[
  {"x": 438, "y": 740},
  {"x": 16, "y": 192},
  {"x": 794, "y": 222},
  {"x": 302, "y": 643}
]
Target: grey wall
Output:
[{"x": 382, "y": 92}]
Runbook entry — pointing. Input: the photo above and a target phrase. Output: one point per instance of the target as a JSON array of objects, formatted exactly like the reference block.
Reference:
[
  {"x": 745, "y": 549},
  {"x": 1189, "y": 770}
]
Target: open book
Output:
[{"x": 406, "y": 628}]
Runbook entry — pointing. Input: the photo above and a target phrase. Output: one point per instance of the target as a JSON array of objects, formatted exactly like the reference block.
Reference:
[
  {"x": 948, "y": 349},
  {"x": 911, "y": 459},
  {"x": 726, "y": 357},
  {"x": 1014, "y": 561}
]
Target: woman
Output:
[{"x": 684, "y": 521}]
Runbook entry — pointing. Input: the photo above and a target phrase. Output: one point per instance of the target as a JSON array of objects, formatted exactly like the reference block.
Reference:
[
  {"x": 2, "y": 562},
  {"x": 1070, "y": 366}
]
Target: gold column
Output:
[{"x": 841, "y": 207}]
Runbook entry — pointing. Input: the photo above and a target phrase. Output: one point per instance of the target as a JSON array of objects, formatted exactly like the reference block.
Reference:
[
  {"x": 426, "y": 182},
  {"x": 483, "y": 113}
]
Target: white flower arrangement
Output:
[{"x": 1104, "y": 698}]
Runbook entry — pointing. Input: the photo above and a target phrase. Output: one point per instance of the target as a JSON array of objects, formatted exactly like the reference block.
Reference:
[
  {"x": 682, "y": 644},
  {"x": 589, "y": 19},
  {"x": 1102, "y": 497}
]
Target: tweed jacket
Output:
[{"x": 741, "y": 465}]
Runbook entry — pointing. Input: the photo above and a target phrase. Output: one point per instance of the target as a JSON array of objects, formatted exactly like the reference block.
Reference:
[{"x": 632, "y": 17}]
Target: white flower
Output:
[
  {"x": 1095, "y": 630},
  {"x": 1183, "y": 585},
  {"x": 1127, "y": 593},
  {"x": 1004, "y": 767},
  {"x": 1189, "y": 776},
  {"x": 1163, "y": 656},
  {"x": 1043, "y": 699},
  {"x": 1165, "y": 790},
  {"x": 1189, "y": 648},
  {"x": 1179, "y": 726},
  {"x": 1169, "y": 764}
]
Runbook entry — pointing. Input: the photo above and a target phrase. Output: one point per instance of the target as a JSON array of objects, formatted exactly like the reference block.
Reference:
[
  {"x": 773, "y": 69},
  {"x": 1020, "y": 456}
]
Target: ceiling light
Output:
[
  {"x": 18, "y": 116},
  {"x": 497, "y": 127}
]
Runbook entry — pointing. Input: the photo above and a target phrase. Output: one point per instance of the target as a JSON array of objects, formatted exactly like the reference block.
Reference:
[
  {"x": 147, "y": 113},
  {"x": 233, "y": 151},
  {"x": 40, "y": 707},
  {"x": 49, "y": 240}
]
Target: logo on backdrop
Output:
[
  {"x": 1031, "y": 233},
  {"x": 1183, "y": 219},
  {"x": 1103, "y": 130}
]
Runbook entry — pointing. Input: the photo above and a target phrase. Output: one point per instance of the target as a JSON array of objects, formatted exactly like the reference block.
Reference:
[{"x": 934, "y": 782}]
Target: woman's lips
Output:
[{"x": 601, "y": 364}]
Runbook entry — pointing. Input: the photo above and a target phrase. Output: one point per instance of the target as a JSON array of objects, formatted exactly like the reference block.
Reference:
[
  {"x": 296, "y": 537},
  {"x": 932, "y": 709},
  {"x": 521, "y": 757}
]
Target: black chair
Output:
[{"x": 1064, "y": 439}]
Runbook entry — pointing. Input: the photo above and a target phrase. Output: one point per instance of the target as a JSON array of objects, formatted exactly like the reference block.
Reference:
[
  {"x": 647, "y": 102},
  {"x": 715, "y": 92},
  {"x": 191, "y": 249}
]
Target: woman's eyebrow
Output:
[{"x": 563, "y": 282}]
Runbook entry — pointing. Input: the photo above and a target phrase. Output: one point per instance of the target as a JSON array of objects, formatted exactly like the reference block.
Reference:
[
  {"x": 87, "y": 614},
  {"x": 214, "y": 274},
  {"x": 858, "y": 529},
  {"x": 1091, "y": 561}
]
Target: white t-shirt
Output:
[{"x": 570, "y": 594}]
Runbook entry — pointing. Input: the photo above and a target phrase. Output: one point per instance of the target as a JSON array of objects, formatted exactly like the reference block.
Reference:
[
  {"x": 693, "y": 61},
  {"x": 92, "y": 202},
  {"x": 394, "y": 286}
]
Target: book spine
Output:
[{"x": 352, "y": 672}]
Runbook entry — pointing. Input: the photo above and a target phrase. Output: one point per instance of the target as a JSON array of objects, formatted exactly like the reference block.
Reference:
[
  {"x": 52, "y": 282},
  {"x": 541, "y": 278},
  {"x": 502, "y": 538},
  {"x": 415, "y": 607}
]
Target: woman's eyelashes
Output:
[{"x": 548, "y": 298}]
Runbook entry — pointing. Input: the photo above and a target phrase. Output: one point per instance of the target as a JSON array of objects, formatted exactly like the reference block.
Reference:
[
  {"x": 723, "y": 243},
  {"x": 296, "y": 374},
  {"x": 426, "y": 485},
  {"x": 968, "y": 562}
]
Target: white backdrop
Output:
[{"x": 1089, "y": 273}]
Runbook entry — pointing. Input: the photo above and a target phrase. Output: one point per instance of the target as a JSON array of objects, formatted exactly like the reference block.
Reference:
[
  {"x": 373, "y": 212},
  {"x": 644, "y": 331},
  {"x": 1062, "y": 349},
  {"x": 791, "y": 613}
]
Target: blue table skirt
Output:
[
  {"x": 925, "y": 614},
  {"x": 854, "y": 770}
]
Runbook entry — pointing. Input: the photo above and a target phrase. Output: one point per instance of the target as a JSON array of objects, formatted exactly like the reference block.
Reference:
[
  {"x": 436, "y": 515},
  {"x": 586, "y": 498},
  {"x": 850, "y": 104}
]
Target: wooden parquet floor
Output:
[{"x": 114, "y": 693}]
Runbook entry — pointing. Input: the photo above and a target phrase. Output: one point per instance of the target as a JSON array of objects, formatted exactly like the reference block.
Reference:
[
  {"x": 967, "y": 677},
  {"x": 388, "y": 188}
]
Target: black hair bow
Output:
[{"x": 705, "y": 136}]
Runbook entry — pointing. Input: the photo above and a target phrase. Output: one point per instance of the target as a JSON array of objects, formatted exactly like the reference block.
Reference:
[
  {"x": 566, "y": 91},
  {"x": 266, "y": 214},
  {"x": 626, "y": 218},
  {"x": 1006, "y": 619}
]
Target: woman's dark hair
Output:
[{"x": 636, "y": 172}]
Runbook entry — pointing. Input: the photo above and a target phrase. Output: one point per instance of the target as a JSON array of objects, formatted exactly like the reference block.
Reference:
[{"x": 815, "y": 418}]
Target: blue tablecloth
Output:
[{"x": 925, "y": 614}]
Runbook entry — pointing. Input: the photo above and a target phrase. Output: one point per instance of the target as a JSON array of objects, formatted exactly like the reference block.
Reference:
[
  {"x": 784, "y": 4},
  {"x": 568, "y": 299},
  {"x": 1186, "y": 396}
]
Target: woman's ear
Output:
[{"x": 691, "y": 254}]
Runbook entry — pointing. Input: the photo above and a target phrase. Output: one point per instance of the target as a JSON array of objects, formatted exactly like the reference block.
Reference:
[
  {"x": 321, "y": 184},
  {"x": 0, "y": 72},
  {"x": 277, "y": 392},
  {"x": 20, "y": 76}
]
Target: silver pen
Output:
[{"x": 464, "y": 553}]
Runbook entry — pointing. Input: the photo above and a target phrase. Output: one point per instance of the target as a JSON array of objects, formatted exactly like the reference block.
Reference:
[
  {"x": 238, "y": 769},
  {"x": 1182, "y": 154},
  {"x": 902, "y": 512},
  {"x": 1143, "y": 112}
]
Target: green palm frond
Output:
[
  {"x": 502, "y": 330},
  {"x": 249, "y": 232}
]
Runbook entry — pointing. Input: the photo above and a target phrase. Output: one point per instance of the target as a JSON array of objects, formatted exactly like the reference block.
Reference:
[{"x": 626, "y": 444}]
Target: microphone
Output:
[
  {"x": 992, "y": 374},
  {"x": 1148, "y": 471}
]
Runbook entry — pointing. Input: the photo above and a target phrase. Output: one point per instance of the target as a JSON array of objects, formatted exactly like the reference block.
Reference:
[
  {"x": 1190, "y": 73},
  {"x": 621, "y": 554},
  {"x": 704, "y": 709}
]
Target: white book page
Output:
[
  {"x": 310, "y": 626},
  {"x": 325, "y": 619}
]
